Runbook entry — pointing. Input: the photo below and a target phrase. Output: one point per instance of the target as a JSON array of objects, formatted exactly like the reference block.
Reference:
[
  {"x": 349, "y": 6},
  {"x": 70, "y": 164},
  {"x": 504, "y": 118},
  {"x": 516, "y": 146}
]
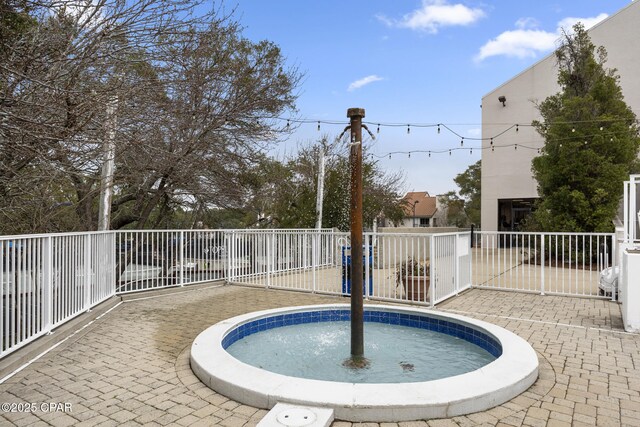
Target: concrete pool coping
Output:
[{"x": 499, "y": 381}]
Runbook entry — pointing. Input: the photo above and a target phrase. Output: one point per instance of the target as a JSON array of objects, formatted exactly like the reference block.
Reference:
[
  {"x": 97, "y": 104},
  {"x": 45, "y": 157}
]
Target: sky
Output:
[{"x": 419, "y": 62}]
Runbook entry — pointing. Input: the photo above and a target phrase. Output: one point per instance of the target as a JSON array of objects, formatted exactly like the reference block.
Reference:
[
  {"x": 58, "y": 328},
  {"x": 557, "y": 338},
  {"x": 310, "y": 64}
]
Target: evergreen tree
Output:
[
  {"x": 591, "y": 142},
  {"x": 469, "y": 184}
]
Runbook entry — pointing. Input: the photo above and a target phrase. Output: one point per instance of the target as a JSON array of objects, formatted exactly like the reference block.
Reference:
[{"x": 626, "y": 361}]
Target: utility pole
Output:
[
  {"x": 106, "y": 178},
  {"x": 357, "y": 311},
  {"x": 320, "y": 195}
]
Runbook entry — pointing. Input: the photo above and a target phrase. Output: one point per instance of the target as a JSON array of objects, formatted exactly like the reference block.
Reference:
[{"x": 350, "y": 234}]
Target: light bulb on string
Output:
[
  {"x": 601, "y": 128},
  {"x": 389, "y": 155},
  {"x": 449, "y": 152},
  {"x": 471, "y": 151},
  {"x": 409, "y": 154},
  {"x": 288, "y": 125},
  {"x": 378, "y": 130},
  {"x": 438, "y": 127},
  {"x": 408, "y": 129},
  {"x": 517, "y": 127},
  {"x": 462, "y": 142},
  {"x": 538, "y": 151},
  {"x": 515, "y": 147},
  {"x": 573, "y": 129},
  {"x": 318, "y": 125},
  {"x": 491, "y": 141},
  {"x": 429, "y": 153},
  {"x": 492, "y": 149}
]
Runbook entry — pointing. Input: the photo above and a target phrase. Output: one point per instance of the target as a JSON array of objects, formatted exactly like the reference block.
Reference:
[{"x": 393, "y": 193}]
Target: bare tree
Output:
[{"x": 195, "y": 102}]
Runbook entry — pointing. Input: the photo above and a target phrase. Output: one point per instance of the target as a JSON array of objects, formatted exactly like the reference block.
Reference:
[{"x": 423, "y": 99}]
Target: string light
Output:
[{"x": 438, "y": 126}]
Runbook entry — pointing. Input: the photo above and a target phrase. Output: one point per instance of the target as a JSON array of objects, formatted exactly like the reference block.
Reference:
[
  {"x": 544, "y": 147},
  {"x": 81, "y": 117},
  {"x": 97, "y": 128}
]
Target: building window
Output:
[
  {"x": 424, "y": 222},
  {"x": 513, "y": 212}
]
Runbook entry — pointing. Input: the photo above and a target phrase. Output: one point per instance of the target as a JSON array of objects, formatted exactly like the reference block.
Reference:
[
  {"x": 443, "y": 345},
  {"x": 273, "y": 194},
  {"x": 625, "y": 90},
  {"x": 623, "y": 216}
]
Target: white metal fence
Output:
[
  {"x": 312, "y": 261},
  {"x": 545, "y": 263},
  {"x": 47, "y": 280},
  {"x": 157, "y": 259}
]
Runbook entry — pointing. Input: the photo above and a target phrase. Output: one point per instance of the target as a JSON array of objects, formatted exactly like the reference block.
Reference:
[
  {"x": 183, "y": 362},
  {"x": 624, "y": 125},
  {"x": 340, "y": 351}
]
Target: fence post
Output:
[
  {"x": 268, "y": 244},
  {"x": 87, "y": 272},
  {"x": 366, "y": 264},
  {"x": 614, "y": 262},
  {"x": 181, "y": 258},
  {"x": 314, "y": 254},
  {"x": 542, "y": 255},
  {"x": 229, "y": 243},
  {"x": 112, "y": 264},
  {"x": 433, "y": 280},
  {"x": 456, "y": 279},
  {"x": 471, "y": 255},
  {"x": 47, "y": 282}
]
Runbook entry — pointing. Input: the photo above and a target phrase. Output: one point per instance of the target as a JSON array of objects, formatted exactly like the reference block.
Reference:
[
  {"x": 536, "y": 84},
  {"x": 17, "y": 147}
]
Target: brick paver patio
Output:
[{"x": 131, "y": 366}]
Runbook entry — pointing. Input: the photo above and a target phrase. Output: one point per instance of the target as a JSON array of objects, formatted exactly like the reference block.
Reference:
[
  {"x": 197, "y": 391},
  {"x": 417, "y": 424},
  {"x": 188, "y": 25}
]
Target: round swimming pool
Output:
[{"x": 507, "y": 364}]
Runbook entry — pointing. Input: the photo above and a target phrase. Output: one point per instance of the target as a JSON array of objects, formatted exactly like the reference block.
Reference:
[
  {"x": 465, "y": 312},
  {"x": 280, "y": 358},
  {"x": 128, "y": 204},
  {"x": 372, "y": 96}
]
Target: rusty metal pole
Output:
[{"x": 355, "y": 160}]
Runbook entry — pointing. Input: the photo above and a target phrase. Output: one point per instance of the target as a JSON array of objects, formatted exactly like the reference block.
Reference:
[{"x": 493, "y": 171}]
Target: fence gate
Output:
[{"x": 450, "y": 265}]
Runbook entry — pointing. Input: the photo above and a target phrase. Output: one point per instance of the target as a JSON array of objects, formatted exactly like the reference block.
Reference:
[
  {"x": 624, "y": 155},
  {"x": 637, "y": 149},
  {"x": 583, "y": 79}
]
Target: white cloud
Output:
[
  {"x": 363, "y": 82},
  {"x": 518, "y": 43},
  {"x": 435, "y": 14},
  {"x": 527, "y": 23},
  {"x": 527, "y": 41},
  {"x": 568, "y": 23},
  {"x": 475, "y": 132}
]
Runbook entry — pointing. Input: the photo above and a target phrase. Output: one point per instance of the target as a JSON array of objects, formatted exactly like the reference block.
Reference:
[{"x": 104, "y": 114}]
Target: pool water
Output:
[{"x": 396, "y": 353}]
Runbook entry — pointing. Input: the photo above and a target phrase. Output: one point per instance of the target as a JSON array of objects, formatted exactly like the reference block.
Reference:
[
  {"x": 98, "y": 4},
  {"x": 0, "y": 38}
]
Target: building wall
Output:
[
  {"x": 506, "y": 172},
  {"x": 409, "y": 222}
]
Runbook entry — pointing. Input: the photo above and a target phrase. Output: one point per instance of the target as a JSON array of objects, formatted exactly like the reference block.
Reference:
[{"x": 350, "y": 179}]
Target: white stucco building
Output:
[{"x": 508, "y": 187}]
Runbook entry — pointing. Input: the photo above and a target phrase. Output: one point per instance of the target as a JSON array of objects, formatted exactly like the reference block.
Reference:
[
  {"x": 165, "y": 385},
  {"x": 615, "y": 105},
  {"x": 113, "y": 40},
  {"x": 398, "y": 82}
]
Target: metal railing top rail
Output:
[
  {"x": 44, "y": 235},
  {"x": 383, "y": 233},
  {"x": 212, "y": 230},
  {"x": 277, "y": 230},
  {"x": 545, "y": 233}
]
